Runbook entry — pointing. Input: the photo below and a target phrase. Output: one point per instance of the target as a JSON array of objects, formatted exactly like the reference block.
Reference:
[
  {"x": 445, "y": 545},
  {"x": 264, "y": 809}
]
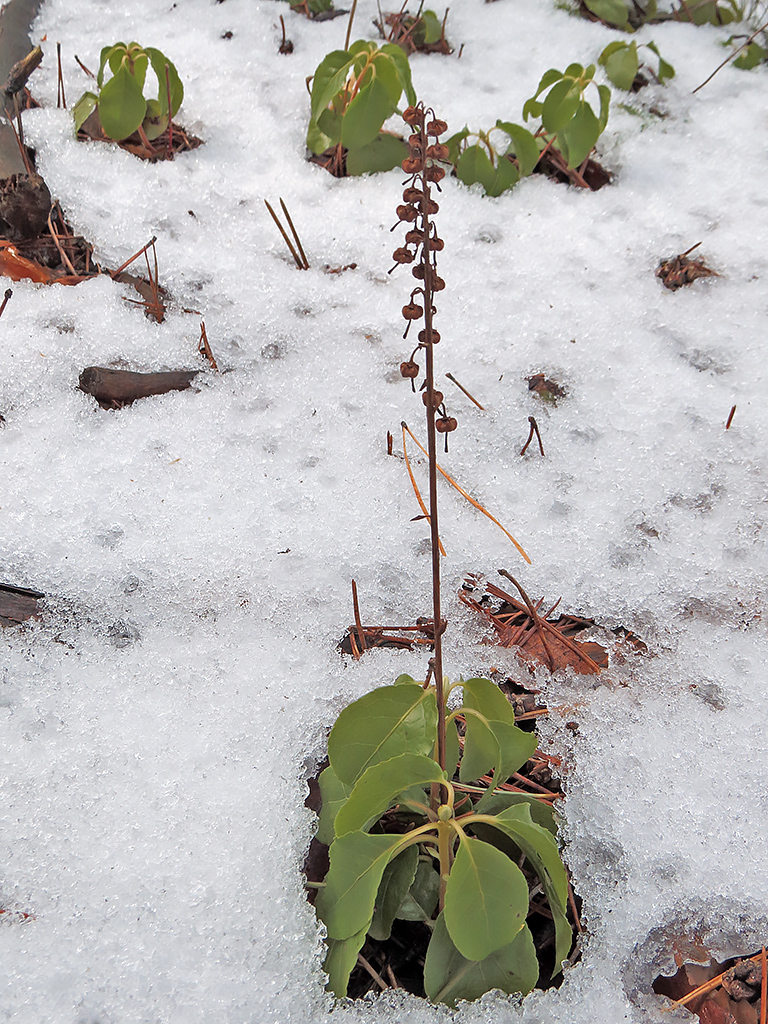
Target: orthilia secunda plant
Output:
[{"x": 417, "y": 828}]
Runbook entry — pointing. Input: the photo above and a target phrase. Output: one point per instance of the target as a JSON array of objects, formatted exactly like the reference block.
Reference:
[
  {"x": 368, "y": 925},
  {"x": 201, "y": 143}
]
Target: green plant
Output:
[
  {"x": 622, "y": 64},
  {"x": 629, "y": 15},
  {"x": 311, "y": 8},
  {"x": 120, "y": 103},
  {"x": 710, "y": 12},
  {"x": 407, "y": 838},
  {"x": 423, "y": 31},
  {"x": 353, "y": 93},
  {"x": 497, "y": 167},
  {"x": 751, "y": 55},
  {"x": 569, "y": 122}
]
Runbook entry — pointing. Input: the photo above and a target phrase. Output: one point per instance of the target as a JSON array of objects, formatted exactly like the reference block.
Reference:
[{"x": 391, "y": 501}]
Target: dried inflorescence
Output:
[{"x": 421, "y": 244}]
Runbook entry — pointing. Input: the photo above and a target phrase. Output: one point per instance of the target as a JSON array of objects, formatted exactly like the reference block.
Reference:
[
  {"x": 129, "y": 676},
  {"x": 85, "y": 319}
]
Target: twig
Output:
[
  {"x": 713, "y": 983},
  {"x": 349, "y": 24},
  {"x": 534, "y": 615},
  {"x": 64, "y": 258},
  {"x": 128, "y": 262},
  {"x": 19, "y": 140},
  {"x": 462, "y": 388},
  {"x": 85, "y": 69},
  {"x": 169, "y": 150},
  {"x": 204, "y": 348},
  {"x": 763, "y": 987},
  {"x": 295, "y": 234},
  {"x": 730, "y": 56},
  {"x": 390, "y": 442},
  {"x": 393, "y": 980},
  {"x": 8, "y": 294},
  {"x": 534, "y": 430},
  {"x": 373, "y": 973},
  {"x": 572, "y": 905},
  {"x": 358, "y": 620},
  {"x": 61, "y": 100},
  {"x": 288, "y": 242},
  {"x": 730, "y": 417},
  {"x": 469, "y": 498}
]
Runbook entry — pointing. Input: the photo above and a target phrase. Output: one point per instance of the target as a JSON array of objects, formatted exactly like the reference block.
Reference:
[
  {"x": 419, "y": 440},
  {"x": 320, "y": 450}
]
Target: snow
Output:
[{"x": 159, "y": 723}]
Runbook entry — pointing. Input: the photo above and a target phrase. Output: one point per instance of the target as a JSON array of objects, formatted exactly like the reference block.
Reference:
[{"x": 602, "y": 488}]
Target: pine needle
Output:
[
  {"x": 416, "y": 491},
  {"x": 469, "y": 497}
]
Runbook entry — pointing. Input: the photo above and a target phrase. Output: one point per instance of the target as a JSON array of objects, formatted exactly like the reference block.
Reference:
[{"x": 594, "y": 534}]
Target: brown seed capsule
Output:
[
  {"x": 445, "y": 424},
  {"x": 412, "y": 164},
  {"x": 438, "y": 151},
  {"x": 423, "y": 337},
  {"x": 436, "y": 127},
  {"x": 412, "y": 311},
  {"x": 412, "y": 195},
  {"x": 416, "y": 142},
  {"x": 418, "y": 271},
  {"x": 409, "y": 213},
  {"x": 437, "y": 283},
  {"x": 437, "y": 399},
  {"x": 432, "y": 206},
  {"x": 414, "y": 237},
  {"x": 436, "y": 243},
  {"x": 434, "y": 173},
  {"x": 409, "y": 369},
  {"x": 403, "y": 255},
  {"x": 412, "y": 115}
]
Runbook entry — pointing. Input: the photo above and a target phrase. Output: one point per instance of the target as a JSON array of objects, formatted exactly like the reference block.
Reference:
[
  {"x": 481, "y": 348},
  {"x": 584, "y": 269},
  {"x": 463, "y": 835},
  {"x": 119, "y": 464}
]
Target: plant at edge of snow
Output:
[
  {"x": 454, "y": 867},
  {"x": 121, "y": 106},
  {"x": 495, "y": 168},
  {"x": 570, "y": 124},
  {"x": 353, "y": 93},
  {"x": 622, "y": 64}
]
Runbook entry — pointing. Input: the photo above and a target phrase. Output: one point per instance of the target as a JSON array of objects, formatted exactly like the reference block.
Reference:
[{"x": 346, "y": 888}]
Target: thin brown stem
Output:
[
  {"x": 61, "y": 100},
  {"x": 169, "y": 150},
  {"x": 135, "y": 256},
  {"x": 295, "y": 234},
  {"x": 281, "y": 229},
  {"x": 462, "y": 388},
  {"x": 6, "y": 297},
  {"x": 731, "y": 414},
  {"x": 349, "y": 24},
  {"x": 358, "y": 620}
]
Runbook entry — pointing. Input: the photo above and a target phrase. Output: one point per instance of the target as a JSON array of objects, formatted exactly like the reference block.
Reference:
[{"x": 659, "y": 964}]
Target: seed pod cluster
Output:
[{"x": 422, "y": 165}]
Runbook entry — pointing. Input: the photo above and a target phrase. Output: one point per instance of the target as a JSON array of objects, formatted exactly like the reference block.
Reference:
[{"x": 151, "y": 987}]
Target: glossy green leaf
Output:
[
  {"x": 621, "y": 64},
  {"x": 542, "y": 812},
  {"x": 397, "y": 879},
  {"x": 481, "y": 750},
  {"x": 389, "y": 721},
  {"x": 329, "y": 124},
  {"x": 317, "y": 142},
  {"x": 340, "y": 961},
  {"x": 83, "y": 109},
  {"x": 159, "y": 62},
  {"x": 580, "y": 135},
  {"x": 155, "y": 120},
  {"x": 387, "y": 72},
  {"x": 400, "y": 60},
  {"x": 753, "y": 55},
  {"x": 449, "y": 976},
  {"x": 375, "y": 790},
  {"x": 121, "y": 105},
  {"x": 334, "y": 795},
  {"x": 454, "y": 144},
  {"x": 486, "y": 899},
  {"x": 106, "y": 51},
  {"x": 548, "y": 78},
  {"x": 432, "y": 27},
  {"x": 515, "y": 746},
  {"x": 523, "y": 145},
  {"x": 421, "y": 900},
  {"x": 363, "y": 118},
  {"x": 605, "y": 105},
  {"x": 328, "y": 80},
  {"x": 452, "y": 751},
  {"x": 561, "y": 104},
  {"x": 358, "y": 861},
  {"x": 613, "y": 11}
]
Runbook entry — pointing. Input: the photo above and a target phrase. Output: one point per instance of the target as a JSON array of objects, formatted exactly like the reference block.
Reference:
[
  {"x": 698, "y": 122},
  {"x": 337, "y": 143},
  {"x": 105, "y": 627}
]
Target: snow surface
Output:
[{"x": 160, "y": 722}]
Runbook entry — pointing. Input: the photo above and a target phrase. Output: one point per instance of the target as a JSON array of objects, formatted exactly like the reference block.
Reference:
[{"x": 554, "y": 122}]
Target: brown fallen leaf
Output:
[{"x": 679, "y": 270}]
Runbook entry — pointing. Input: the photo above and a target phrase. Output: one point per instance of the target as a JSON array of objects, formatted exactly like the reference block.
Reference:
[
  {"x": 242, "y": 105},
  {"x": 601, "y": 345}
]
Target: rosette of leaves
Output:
[
  {"x": 354, "y": 92},
  {"x": 569, "y": 121},
  {"x": 620, "y": 13},
  {"x": 750, "y": 56},
  {"x": 710, "y": 12},
  {"x": 407, "y": 840},
  {"x": 120, "y": 103},
  {"x": 622, "y": 64},
  {"x": 497, "y": 159},
  {"x": 629, "y": 15}
]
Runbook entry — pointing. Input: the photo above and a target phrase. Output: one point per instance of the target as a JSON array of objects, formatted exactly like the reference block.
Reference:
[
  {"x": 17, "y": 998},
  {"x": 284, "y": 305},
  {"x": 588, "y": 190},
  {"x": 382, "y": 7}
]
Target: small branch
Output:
[
  {"x": 297, "y": 259},
  {"x": 462, "y": 388},
  {"x": 295, "y": 234},
  {"x": 730, "y": 56},
  {"x": 85, "y": 69},
  {"x": 727, "y": 425},
  {"x": 8, "y": 294},
  {"x": 61, "y": 100},
  {"x": 128, "y": 262},
  {"x": 534, "y": 430},
  {"x": 204, "y": 348},
  {"x": 373, "y": 973},
  {"x": 349, "y": 24},
  {"x": 358, "y": 620}
]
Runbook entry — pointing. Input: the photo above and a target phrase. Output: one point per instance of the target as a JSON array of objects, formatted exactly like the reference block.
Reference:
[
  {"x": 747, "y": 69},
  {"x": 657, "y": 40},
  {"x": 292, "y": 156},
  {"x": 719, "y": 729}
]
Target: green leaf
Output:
[
  {"x": 387, "y": 71},
  {"x": 541, "y": 851},
  {"x": 454, "y": 145},
  {"x": 613, "y": 11},
  {"x": 433, "y": 28},
  {"x": 753, "y": 55},
  {"x": 665, "y": 70},
  {"x": 581, "y": 135},
  {"x": 400, "y": 60},
  {"x": 515, "y": 746},
  {"x": 329, "y": 124},
  {"x": 385, "y": 152},
  {"x": 621, "y": 65},
  {"x": 389, "y": 721},
  {"x": 83, "y": 109},
  {"x": 420, "y": 902},
  {"x": 362, "y": 120},
  {"x": 486, "y": 899},
  {"x": 542, "y": 813},
  {"x": 449, "y": 976},
  {"x": 474, "y": 166},
  {"x": 561, "y": 104},
  {"x": 155, "y": 120},
  {"x": 136, "y": 62},
  {"x": 481, "y": 750},
  {"x": 159, "y": 61},
  {"x": 547, "y": 79},
  {"x": 121, "y": 105},
  {"x": 605, "y": 105},
  {"x": 334, "y": 795},
  {"x": 345, "y": 903},
  {"x": 396, "y": 881},
  {"x": 452, "y": 752},
  {"x": 328, "y": 80},
  {"x": 340, "y": 961},
  {"x": 524, "y": 146},
  {"x": 377, "y": 787},
  {"x": 317, "y": 142},
  {"x": 106, "y": 52}
]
